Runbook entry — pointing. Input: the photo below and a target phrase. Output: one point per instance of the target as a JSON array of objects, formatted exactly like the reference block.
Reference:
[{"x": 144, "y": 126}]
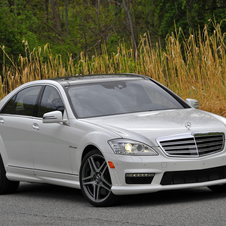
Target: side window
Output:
[
  {"x": 51, "y": 101},
  {"x": 9, "y": 106},
  {"x": 25, "y": 101}
]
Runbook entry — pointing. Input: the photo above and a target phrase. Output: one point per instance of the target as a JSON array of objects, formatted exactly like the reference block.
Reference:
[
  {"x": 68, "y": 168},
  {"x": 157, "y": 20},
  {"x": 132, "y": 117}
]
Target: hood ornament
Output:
[{"x": 188, "y": 125}]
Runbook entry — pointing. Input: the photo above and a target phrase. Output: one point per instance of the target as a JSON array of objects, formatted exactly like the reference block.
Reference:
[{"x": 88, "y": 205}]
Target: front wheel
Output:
[{"x": 95, "y": 180}]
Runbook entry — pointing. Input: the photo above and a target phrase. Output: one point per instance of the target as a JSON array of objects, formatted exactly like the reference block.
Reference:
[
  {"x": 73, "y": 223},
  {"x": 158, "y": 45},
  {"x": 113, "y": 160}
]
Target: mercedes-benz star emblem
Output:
[{"x": 188, "y": 125}]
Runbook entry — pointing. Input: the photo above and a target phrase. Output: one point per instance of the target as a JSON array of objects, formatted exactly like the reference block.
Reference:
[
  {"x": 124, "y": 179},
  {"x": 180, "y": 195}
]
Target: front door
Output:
[{"x": 49, "y": 143}]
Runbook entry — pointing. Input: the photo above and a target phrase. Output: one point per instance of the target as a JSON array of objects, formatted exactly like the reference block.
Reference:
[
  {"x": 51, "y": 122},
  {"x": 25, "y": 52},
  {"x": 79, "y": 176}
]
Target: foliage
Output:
[
  {"x": 95, "y": 36},
  {"x": 193, "y": 68},
  {"x": 72, "y": 26},
  {"x": 190, "y": 15}
]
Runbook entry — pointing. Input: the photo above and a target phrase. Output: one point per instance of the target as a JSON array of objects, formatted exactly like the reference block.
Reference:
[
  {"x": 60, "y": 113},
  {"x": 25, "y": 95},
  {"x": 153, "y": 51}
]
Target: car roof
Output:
[{"x": 72, "y": 80}]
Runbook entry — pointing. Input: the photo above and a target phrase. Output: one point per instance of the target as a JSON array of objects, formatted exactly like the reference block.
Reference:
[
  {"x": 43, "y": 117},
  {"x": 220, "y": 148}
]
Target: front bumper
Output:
[
  {"x": 132, "y": 190},
  {"x": 158, "y": 165}
]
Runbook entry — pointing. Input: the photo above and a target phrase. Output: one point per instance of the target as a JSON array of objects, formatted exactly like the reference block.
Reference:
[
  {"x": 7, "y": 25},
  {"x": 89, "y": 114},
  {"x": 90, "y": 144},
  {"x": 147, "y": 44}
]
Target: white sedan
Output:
[{"x": 110, "y": 135}]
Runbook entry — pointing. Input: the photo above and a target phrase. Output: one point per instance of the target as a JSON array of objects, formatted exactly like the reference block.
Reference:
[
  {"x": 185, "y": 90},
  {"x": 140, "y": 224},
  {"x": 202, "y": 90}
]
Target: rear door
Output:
[{"x": 15, "y": 130}]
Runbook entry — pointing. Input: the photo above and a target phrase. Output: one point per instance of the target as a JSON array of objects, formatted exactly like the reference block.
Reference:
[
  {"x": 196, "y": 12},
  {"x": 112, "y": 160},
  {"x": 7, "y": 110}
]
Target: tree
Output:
[
  {"x": 72, "y": 26},
  {"x": 66, "y": 16},
  {"x": 190, "y": 15},
  {"x": 11, "y": 33},
  {"x": 126, "y": 7}
]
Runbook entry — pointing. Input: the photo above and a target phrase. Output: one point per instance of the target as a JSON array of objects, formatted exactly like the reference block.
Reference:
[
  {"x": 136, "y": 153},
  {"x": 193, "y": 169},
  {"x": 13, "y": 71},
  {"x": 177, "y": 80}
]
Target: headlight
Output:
[{"x": 130, "y": 147}]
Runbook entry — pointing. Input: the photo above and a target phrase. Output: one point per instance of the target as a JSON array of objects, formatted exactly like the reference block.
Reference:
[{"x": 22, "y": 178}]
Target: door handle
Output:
[
  {"x": 35, "y": 126},
  {"x": 1, "y": 121}
]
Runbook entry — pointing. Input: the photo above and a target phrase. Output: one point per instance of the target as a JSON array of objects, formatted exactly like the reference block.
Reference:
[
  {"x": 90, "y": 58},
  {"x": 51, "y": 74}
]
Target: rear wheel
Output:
[
  {"x": 95, "y": 180},
  {"x": 6, "y": 186}
]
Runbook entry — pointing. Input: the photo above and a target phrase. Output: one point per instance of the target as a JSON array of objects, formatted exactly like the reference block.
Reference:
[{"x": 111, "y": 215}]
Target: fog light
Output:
[{"x": 139, "y": 178}]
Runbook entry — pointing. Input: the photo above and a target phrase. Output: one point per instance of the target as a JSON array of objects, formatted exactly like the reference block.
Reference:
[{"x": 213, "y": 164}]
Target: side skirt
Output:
[{"x": 39, "y": 176}]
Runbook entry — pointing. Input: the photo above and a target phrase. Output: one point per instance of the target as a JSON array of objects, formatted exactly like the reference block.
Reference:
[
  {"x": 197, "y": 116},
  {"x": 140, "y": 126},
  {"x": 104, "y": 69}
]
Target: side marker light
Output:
[{"x": 111, "y": 165}]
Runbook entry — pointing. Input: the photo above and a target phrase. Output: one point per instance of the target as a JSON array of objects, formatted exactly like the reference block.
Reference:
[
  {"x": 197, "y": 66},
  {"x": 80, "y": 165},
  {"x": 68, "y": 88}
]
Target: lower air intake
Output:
[{"x": 194, "y": 176}]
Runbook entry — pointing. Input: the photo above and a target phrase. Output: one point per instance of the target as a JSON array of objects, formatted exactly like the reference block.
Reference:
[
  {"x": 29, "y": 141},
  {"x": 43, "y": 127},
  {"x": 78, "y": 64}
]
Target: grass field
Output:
[{"x": 193, "y": 67}]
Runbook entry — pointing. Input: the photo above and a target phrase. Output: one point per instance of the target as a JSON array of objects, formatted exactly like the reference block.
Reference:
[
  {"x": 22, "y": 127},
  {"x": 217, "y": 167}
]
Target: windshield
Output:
[{"x": 119, "y": 97}]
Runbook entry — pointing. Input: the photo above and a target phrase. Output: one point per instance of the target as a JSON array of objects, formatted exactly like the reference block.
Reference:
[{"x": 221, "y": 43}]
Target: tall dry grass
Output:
[{"x": 193, "y": 67}]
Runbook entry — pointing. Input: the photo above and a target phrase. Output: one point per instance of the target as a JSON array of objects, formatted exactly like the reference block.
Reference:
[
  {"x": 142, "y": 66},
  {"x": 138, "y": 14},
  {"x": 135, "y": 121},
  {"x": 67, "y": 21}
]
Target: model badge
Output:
[{"x": 188, "y": 125}]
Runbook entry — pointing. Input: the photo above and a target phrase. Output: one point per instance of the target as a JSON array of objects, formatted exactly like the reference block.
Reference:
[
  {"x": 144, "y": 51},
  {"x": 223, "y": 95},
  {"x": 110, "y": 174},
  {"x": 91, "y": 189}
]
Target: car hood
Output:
[{"x": 152, "y": 125}]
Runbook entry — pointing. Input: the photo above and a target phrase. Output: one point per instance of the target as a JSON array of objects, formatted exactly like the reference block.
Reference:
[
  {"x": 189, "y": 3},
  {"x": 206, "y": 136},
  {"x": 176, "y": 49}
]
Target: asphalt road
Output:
[{"x": 38, "y": 204}]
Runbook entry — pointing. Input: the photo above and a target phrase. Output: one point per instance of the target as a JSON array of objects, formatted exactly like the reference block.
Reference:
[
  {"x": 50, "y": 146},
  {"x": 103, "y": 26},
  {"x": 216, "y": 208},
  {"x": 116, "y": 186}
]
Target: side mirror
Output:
[
  {"x": 193, "y": 103},
  {"x": 53, "y": 117}
]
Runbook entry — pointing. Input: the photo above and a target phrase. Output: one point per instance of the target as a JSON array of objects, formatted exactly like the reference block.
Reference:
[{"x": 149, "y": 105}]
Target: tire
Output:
[
  {"x": 6, "y": 186},
  {"x": 95, "y": 180},
  {"x": 221, "y": 188}
]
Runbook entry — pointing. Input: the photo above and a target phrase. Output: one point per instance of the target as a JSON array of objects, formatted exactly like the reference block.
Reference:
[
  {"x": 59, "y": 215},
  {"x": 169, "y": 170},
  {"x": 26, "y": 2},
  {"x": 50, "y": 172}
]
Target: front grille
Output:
[
  {"x": 199, "y": 144},
  {"x": 193, "y": 176}
]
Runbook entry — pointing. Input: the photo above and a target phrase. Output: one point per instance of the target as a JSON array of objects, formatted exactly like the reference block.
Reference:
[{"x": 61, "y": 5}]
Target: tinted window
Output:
[
  {"x": 9, "y": 106},
  {"x": 119, "y": 97},
  {"x": 51, "y": 101},
  {"x": 25, "y": 101}
]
